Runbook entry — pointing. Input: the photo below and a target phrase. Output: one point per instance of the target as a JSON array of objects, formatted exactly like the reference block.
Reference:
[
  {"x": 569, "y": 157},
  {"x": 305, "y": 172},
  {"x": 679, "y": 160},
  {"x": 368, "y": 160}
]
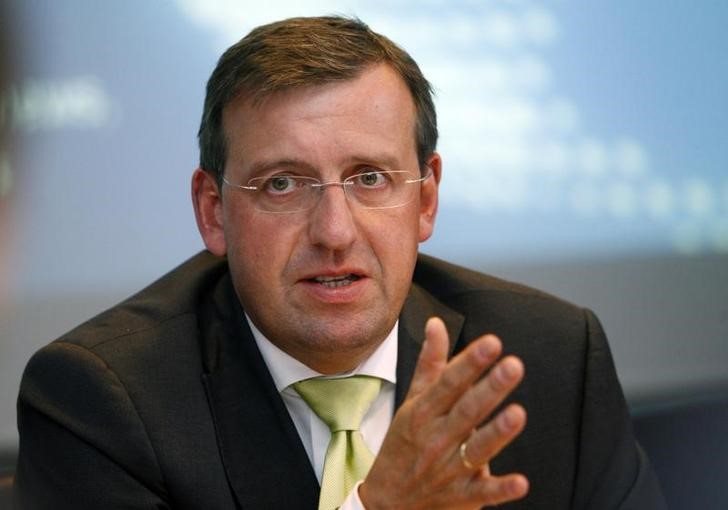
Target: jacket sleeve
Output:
[
  {"x": 613, "y": 471},
  {"x": 82, "y": 443}
]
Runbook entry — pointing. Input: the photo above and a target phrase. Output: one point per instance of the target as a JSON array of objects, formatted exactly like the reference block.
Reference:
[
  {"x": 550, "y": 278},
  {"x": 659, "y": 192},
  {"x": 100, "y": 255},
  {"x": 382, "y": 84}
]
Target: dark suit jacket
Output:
[{"x": 165, "y": 402}]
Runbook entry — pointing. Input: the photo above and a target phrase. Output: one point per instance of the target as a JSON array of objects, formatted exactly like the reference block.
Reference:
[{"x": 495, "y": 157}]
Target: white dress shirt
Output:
[{"x": 314, "y": 433}]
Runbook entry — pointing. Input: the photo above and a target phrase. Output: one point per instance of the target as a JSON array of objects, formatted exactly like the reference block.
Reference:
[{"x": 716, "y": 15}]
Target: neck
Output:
[{"x": 331, "y": 363}]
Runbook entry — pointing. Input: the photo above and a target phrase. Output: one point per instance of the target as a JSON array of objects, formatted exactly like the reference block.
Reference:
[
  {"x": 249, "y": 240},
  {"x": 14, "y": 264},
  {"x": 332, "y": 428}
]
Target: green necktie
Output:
[{"x": 341, "y": 404}]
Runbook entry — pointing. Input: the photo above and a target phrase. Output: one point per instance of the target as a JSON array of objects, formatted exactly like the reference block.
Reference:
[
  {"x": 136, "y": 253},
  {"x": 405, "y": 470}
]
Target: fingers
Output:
[
  {"x": 454, "y": 378},
  {"x": 482, "y": 399},
  {"x": 495, "y": 490},
  {"x": 421, "y": 463},
  {"x": 463, "y": 370},
  {"x": 433, "y": 357},
  {"x": 449, "y": 385},
  {"x": 488, "y": 441}
]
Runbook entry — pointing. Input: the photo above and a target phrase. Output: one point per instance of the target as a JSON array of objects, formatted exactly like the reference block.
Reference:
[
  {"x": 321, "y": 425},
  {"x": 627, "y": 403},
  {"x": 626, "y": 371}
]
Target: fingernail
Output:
[
  {"x": 488, "y": 348},
  {"x": 508, "y": 369},
  {"x": 485, "y": 350},
  {"x": 518, "y": 486},
  {"x": 432, "y": 320},
  {"x": 508, "y": 420}
]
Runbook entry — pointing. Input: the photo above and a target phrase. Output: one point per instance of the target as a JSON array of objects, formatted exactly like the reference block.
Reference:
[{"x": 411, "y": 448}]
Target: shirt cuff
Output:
[{"x": 352, "y": 501}]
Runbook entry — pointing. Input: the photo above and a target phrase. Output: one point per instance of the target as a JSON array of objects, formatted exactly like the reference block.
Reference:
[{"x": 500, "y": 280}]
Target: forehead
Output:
[{"x": 373, "y": 114}]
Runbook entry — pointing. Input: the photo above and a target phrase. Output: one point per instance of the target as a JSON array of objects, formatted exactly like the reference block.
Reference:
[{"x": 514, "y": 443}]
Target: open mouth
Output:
[{"x": 333, "y": 282}]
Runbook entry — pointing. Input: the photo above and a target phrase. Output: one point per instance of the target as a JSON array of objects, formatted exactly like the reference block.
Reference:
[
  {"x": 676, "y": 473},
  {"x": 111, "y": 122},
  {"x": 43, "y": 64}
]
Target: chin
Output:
[{"x": 333, "y": 335}]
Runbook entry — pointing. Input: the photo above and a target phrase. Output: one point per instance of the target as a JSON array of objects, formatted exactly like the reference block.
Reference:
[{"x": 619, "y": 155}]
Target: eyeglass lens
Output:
[{"x": 371, "y": 190}]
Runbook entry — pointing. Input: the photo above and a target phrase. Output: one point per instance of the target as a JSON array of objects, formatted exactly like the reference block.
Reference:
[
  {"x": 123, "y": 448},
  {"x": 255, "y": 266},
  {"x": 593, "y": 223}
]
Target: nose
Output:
[{"x": 331, "y": 224}]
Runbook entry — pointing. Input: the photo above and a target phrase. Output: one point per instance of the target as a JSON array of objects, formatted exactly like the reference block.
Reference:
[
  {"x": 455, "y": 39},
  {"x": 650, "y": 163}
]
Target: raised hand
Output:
[{"x": 436, "y": 452}]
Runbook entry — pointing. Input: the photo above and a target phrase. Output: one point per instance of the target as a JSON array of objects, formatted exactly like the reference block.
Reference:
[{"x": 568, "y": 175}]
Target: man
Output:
[{"x": 318, "y": 179}]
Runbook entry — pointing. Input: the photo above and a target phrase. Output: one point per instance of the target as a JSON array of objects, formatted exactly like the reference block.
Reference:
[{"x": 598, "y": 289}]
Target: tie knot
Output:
[{"x": 340, "y": 403}]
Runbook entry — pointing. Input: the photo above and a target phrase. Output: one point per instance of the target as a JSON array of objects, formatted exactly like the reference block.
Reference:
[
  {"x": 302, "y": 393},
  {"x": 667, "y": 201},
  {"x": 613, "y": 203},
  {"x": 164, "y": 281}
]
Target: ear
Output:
[
  {"x": 207, "y": 202},
  {"x": 429, "y": 197}
]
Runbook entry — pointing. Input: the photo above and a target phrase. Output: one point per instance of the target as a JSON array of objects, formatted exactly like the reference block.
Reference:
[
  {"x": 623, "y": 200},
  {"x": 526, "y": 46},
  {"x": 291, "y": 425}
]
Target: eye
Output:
[
  {"x": 371, "y": 179},
  {"x": 280, "y": 184}
]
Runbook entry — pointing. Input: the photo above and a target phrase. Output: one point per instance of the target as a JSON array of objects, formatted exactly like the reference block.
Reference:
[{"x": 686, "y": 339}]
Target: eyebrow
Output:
[
  {"x": 261, "y": 167},
  {"x": 382, "y": 159}
]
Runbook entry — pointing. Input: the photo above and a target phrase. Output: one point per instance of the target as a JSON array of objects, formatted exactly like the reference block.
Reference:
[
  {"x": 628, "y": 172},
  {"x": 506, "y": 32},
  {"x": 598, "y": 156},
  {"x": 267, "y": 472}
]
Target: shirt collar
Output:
[{"x": 287, "y": 370}]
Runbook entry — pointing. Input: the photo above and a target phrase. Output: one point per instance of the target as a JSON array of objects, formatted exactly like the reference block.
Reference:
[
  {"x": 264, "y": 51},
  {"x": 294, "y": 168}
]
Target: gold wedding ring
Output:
[{"x": 464, "y": 458}]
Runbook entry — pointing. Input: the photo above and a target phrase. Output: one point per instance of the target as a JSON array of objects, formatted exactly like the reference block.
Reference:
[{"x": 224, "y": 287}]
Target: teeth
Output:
[
  {"x": 321, "y": 279},
  {"x": 336, "y": 281}
]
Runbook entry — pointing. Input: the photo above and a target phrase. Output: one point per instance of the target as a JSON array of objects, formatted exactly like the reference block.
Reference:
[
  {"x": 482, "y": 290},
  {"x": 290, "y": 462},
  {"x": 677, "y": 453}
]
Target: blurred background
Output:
[{"x": 585, "y": 151}]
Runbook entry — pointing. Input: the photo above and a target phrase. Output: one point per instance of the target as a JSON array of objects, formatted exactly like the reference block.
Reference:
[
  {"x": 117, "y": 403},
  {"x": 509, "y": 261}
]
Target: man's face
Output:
[{"x": 282, "y": 264}]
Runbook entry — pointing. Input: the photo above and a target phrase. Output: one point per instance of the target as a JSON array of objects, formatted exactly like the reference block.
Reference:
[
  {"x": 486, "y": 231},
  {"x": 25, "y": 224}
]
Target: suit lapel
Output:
[
  {"x": 418, "y": 307},
  {"x": 266, "y": 464}
]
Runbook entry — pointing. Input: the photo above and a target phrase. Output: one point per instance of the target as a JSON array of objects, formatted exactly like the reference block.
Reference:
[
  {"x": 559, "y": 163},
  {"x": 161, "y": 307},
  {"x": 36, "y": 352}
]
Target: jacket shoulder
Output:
[
  {"x": 457, "y": 286},
  {"x": 531, "y": 323},
  {"x": 177, "y": 296}
]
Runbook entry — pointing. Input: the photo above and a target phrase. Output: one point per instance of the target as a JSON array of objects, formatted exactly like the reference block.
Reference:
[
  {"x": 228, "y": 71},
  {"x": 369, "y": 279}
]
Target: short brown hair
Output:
[{"x": 298, "y": 52}]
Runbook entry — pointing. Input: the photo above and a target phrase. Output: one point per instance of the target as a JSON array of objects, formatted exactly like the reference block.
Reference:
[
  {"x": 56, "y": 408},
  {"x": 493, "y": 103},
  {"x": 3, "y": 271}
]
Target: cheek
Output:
[
  {"x": 260, "y": 245},
  {"x": 250, "y": 249},
  {"x": 252, "y": 256},
  {"x": 394, "y": 240}
]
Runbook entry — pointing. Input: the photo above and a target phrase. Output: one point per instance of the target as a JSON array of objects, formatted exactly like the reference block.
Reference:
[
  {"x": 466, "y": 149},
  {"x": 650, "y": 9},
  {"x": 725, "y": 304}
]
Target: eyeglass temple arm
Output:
[
  {"x": 412, "y": 181},
  {"x": 240, "y": 186}
]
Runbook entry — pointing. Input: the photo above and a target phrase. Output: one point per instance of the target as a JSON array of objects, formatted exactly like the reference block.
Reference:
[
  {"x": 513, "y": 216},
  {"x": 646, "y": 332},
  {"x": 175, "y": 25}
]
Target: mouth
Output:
[{"x": 333, "y": 282}]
